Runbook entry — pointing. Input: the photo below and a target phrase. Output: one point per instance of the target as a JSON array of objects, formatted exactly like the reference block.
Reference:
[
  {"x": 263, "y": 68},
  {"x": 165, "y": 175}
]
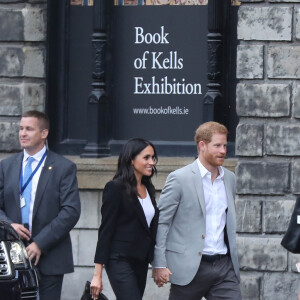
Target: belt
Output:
[{"x": 213, "y": 258}]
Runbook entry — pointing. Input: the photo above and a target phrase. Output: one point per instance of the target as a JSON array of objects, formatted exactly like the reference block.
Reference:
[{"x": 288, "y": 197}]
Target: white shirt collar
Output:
[
  {"x": 36, "y": 156},
  {"x": 204, "y": 171}
]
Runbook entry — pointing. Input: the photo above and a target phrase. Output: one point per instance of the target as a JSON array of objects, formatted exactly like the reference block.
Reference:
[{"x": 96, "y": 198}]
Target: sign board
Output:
[{"x": 159, "y": 72}]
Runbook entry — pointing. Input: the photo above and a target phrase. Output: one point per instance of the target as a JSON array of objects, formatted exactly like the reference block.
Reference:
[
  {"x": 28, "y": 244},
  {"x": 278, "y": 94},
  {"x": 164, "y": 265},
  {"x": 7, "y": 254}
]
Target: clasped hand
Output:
[{"x": 161, "y": 276}]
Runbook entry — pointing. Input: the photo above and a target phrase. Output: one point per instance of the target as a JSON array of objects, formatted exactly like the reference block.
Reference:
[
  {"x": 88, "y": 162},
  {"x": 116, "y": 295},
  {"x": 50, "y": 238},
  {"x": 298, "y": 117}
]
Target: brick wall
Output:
[
  {"x": 22, "y": 64},
  {"x": 267, "y": 144}
]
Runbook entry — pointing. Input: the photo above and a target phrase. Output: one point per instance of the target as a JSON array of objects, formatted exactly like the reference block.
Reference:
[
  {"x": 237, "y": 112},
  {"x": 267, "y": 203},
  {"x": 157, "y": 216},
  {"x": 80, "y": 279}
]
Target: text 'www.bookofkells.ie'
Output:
[{"x": 161, "y": 110}]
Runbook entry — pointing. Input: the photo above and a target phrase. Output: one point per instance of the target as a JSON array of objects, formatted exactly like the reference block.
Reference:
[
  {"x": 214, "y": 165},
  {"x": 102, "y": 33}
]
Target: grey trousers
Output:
[{"x": 214, "y": 281}]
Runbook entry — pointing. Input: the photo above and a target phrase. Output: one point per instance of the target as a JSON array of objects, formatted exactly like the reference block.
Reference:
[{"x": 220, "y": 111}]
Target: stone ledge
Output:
[{"x": 93, "y": 173}]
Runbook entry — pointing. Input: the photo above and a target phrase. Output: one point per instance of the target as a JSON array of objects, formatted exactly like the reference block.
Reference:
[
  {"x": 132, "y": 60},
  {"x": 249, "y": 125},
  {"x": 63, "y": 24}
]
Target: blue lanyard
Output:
[{"x": 23, "y": 187}]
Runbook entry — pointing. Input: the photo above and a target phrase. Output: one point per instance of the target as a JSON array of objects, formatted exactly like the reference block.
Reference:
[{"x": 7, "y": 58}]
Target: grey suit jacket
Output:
[
  {"x": 56, "y": 208},
  {"x": 182, "y": 226}
]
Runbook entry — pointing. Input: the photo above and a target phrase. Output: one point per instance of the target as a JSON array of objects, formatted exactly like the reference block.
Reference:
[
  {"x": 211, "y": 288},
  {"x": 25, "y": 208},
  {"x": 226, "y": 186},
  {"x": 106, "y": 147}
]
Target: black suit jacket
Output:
[
  {"x": 124, "y": 229},
  {"x": 56, "y": 208}
]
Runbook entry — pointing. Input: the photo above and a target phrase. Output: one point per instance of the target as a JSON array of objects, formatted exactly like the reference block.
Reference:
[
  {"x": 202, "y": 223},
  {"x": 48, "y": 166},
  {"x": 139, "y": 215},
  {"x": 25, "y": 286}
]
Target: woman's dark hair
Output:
[{"x": 125, "y": 173}]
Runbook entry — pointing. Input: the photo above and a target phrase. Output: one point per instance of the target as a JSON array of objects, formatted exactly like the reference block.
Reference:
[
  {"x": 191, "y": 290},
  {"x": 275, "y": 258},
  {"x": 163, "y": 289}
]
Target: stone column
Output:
[{"x": 267, "y": 144}]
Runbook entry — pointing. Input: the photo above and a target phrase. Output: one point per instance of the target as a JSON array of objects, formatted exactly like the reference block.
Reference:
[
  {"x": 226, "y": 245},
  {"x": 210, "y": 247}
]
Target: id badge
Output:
[
  {"x": 298, "y": 219},
  {"x": 22, "y": 201}
]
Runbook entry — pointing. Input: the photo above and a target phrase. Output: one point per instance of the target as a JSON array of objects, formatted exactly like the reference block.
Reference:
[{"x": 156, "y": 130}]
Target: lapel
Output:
[
  {"x": 140, "y": 212},
  {"x": 155, "y": 207},
  {"x": 43, "y": 180},
  {"x": 15, "y": 176},
  {"x": 230, "y": 199},
  {"x": 197, "y": 181},
  {"x": 154, "y": 222}
]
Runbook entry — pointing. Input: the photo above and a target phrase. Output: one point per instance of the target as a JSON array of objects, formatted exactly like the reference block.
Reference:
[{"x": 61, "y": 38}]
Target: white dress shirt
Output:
[
  {"x": 35, "y": 179},
  {"x": 215, "y": 206},
  {"x": 148, "y": 208}
]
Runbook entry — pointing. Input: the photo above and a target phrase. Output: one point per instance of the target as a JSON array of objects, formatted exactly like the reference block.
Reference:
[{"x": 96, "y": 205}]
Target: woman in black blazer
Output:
[{"x": 128, "y": 228}]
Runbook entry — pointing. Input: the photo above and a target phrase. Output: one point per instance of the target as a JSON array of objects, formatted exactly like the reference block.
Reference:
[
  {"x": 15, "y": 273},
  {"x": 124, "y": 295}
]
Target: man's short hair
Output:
[
  {"x": 43, "y": 119},
  {"x": 206, "y": 130}
]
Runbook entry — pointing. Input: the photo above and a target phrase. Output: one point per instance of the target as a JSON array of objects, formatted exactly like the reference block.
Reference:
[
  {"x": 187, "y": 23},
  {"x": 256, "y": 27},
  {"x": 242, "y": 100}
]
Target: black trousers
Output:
[
  {"x": 127, "y": 277},
  {"x": 50, "y": 287}
]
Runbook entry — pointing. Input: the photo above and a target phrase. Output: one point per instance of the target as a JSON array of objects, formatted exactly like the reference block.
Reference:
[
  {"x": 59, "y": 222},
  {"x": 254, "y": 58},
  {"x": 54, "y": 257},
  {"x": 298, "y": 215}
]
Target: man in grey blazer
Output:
[
  {"x": 53, "y": 206},
  {"x": 196, "y": 238}
]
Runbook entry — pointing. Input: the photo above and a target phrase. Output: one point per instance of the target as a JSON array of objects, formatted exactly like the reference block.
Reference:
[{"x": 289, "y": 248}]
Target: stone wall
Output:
[
  {"x": 267, "y": 144},
  {"x": 22, "y": 64}
]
